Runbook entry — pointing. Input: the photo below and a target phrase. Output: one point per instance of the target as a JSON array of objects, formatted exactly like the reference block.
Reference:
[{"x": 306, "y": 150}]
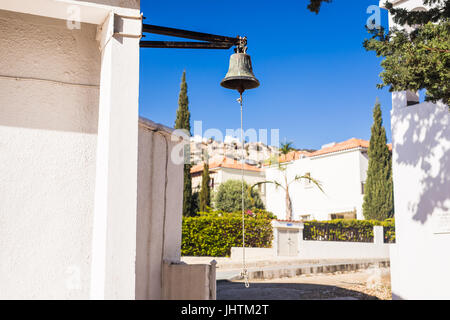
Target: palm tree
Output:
[{"x": 285, "y": 149}]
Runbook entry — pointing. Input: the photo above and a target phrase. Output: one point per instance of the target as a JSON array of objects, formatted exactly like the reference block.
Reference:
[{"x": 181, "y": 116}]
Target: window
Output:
[
  {"x": 363, "y": 184},
  {"x": 350, "y": 215}
]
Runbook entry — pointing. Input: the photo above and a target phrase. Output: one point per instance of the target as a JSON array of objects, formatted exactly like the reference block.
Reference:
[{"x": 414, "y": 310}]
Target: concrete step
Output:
[
  {"x": 288, "y": 271},
  {"x": 230, "y": 264}
]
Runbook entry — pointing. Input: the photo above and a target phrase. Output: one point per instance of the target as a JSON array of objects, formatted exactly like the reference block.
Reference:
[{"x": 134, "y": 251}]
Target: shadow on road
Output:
[{"x": 229, "y": 290}]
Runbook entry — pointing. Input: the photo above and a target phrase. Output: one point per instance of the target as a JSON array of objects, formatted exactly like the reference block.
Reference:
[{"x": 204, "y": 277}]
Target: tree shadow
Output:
[
  {"x": 421, "y": 139},
  {"x": 228, "y": 290}
]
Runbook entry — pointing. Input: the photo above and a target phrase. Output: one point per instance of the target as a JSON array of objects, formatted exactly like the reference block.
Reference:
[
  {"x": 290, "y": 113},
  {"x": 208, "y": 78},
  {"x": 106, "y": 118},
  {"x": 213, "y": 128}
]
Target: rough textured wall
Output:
[
  {"x": 47, "y": 156},
  {"x": 160, "y": 203}
]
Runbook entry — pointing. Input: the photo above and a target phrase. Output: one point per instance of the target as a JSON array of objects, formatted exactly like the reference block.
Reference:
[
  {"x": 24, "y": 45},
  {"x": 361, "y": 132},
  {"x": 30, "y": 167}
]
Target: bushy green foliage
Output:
[
  {"x": 214, "y": 233},
  {"x": 389, "y": 230},
  {"x": 228, "y": 197},
  {"x": 417, "y": 57},
  {"x": 347, "y": 230},
  {"x": 415, "y": 61}
]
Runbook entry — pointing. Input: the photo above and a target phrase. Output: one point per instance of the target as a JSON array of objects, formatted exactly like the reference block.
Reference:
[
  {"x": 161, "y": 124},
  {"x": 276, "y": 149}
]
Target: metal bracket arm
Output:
[{"x": 209, "y": 41}]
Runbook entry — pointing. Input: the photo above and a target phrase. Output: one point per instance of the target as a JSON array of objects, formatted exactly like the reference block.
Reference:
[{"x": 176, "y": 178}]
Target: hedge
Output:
[
  {"x": 213, "y": 234},
  {"x": 348, "y": 230}
]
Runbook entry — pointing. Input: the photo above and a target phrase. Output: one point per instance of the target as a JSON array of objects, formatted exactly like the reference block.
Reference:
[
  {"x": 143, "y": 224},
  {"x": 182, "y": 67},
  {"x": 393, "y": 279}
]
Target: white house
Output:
[
  {"x": 420, "y": 259},
  {"x": 85, "y": 184},
  {"x": 222, "y": 169},
  {"x": 341, "y": 170}
]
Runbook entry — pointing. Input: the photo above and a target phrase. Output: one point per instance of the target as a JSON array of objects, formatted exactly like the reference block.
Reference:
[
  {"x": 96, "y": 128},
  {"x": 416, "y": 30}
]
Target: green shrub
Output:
[
  {"x": 214, "y": 233},
  {"x": 389, "y": 230},
  {"x": 228, "y": 197},
  {"x": 348, "y": 230}
]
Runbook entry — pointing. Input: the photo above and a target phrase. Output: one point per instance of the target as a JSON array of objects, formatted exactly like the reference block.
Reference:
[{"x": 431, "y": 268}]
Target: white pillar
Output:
[
  {"x": 378, "y": 235},
  {"x": 300, "y": 239},
  {"x": 114, "y": 233}
]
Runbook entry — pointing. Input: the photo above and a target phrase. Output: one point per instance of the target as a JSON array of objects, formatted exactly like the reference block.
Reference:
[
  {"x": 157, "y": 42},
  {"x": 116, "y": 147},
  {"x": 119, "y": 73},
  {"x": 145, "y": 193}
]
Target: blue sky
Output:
[{"x": 318, "y": 84}]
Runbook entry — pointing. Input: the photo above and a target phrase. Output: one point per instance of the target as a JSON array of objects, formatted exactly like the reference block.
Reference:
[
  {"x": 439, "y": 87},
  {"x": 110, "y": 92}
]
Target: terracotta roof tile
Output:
[
  {"x": 341, "y": 146},
  {"x": 223, "y": 162},
  {"x": 294, "y": 155}
]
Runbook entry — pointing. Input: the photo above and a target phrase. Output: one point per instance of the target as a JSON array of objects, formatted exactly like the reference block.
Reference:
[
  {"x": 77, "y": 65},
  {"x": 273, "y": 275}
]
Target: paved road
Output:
[{"x": 361, "y": 285}]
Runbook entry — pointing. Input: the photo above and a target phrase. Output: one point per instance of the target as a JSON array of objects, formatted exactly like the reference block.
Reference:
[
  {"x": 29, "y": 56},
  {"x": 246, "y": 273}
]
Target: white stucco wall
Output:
[
  {"x": 340, "y": 174},
  {"x": 53, "y": 82},
  {"x": 47, "y": 156},
  {"x": 159, "y": 206},
  {"x": 314, "y": 250},
  {"x": 420, "y": 260},
  {"x": 421, "y": 173}
]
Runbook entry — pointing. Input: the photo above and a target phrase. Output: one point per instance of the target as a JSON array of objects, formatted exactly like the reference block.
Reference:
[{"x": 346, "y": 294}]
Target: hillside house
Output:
[
  {"x": 222, "y": 169},
  {"x": 339, "y": 167}
]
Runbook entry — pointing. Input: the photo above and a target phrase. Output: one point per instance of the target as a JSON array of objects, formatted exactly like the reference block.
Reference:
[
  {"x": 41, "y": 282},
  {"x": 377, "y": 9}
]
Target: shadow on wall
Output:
[
  {"x": 425, "y": 129},
  {"x": 227, "y": 290}
]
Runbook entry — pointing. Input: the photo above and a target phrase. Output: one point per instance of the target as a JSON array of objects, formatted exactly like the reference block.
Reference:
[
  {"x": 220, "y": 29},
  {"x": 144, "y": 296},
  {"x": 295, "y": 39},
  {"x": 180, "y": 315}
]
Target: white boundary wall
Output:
[
  {"x": 311, "y": 250},
  {"x": 420, "y": 259}
]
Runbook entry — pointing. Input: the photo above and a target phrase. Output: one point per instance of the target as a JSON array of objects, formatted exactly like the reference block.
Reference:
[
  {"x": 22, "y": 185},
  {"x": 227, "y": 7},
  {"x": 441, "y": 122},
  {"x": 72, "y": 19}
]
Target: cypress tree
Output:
[
  {"x": 183, "y": 122},
  {"x": 378, "y": 192},
  {"x": 205, "y": 192}
]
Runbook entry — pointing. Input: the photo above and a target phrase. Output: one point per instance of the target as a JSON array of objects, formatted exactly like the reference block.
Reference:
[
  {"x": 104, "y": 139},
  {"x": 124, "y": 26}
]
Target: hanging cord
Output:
[{"x": 244, "y": 272}]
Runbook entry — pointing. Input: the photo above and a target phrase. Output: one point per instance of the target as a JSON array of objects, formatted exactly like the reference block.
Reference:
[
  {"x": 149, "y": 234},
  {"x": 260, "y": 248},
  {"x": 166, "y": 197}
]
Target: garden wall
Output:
[{"x": 375, "y": 248}]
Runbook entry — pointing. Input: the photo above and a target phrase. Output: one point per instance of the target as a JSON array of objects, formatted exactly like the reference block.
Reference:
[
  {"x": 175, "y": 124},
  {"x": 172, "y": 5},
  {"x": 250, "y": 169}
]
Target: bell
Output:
[{"x": 240, "y": 75}]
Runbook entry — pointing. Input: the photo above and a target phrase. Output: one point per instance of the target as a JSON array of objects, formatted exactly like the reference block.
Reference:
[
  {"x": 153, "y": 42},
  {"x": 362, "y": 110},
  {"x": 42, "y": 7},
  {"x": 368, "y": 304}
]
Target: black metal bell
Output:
[{"x": 240, "y": 75}]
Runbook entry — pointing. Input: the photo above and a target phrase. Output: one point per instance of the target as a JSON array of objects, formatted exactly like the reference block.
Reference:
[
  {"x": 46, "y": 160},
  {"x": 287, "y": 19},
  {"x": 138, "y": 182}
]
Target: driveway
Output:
[{"x": 370, "y": 284}]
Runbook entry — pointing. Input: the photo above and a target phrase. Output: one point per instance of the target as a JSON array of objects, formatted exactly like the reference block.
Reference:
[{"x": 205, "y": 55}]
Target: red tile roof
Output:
[
  {"x": 342, "y": 146},
  {"x": 352, "y": 143},
  {"x": 294, "y": 155},
  {"x": 224, "y": 162}
]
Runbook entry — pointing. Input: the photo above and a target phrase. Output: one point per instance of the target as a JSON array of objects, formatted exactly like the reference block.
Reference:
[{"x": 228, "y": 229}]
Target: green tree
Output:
[
  {"x": 229, "y": 197},
  {"x": 378, "y": 191},
  {"x": 415, "y": 58},
  {"x": 183, "y": 122},
  {"x": 205, "y": 191},
  {"x": 285, "y": 149},
  {"x": 195, "y": 202}
]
